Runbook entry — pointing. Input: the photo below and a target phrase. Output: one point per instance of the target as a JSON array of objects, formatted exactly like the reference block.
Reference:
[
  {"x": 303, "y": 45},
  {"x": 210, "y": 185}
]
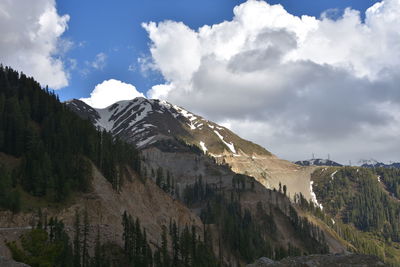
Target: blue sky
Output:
[{"x": 114, "y": 29}]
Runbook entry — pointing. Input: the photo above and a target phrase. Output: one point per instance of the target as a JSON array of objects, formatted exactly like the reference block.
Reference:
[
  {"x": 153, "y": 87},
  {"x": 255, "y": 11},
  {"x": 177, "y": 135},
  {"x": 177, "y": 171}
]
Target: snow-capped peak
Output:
[
  {"x": 368, "y": 162},
  {"x": 145, "y": 121}
]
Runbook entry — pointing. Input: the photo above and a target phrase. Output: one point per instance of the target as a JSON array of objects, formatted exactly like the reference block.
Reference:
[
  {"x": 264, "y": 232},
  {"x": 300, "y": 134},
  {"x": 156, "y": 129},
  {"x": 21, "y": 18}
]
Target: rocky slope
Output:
[
  {"x": 144, "y": 122},
  {"x": 155, "y": 208},
  {"x": 105, "y": 207},
  {"x": 10, "y": 263},
  {"x": 186, "y": 146}
]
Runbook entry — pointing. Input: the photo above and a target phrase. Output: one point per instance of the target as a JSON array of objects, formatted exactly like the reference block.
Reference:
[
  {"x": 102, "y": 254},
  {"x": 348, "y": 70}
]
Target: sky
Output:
[{"x": 296, "y": 76}]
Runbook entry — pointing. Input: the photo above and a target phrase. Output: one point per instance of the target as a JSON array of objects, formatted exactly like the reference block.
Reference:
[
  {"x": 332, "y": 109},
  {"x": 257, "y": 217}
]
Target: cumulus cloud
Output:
[
  {"x": 110, "y": 91},
  {"x": 306, "y": 84},
  {"x": 31, "y": 40}
]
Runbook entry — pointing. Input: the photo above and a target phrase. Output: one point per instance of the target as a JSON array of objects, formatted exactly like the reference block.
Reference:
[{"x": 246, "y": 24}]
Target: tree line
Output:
[
  {"x": 245, "y": 234},
  {"x": 357, "y": 196},
  {"x": 54, "y": 146},
  {"x": 48, "y": 244}
]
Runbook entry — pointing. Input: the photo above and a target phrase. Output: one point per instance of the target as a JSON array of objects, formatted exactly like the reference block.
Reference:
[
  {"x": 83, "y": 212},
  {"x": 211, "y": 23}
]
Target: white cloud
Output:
[
  {"x": 132, "y": 67},
  {"x": 31, "y": 40},
  {"x": 160, "y": 91},
  {"x": 304, "y": 83},
  {"x": 99, "y": 62},
  {"x": 110, "y": 91},
  {"x": 174, "y": 56}
]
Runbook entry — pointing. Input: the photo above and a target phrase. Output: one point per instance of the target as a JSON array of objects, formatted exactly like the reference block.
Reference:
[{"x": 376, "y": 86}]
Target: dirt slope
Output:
[
  {"x": 105, "y": 207},
  {"x": 270, "y": 171}
]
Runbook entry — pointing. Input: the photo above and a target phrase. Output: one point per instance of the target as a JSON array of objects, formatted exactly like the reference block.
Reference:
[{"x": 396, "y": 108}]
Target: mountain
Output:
[
  {"x": 147, "y": 122},
  {"x": 371, "y": 163},
  {"x": 192, "y": 194},
  {"x": 318, "y": 162},
  {"x": 195, "y": 152},
  {"x": 90, "y": 196}
]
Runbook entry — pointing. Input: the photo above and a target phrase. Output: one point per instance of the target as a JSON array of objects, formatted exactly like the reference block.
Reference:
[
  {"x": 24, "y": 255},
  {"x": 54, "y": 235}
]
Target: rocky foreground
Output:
[
  {"x": 11, "y": 263},
  {"x": 334, "y": 260}
]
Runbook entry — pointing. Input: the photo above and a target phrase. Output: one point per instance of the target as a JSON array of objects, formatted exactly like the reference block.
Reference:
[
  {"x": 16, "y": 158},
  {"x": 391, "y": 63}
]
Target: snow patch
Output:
[
  {"x": 314, "y": 197},
  {"x": 185, "y": 113},
  {"x": 229, "y": 145},
  {"x": 140, "y": 115},
  {"x": 136, "y": 130},
  {"x": 147, "y": 125},
  {"x": 119, "y": 110},
  {"x": 165, "y": 104},
  {"x": 203, "y": 147},
  {"x": 192, "y": 127},
  {"x": 333, "y": 175},
  {"x": 144, "y": 142},
  {"x": 104, "y": 120}
]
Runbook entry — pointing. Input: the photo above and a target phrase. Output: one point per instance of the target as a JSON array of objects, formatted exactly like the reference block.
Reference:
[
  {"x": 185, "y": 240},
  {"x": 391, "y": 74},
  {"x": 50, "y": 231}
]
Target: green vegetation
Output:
[
  {"x": 363, "y": 202},
  {"x": 250, "y": 235},
  {"x": 390, "y": 177},
  {"x": 48, "y": 245},
  {"x": 356, "y": 196},
  {"x": 187, "y": 248},
  {"x": 54, "y": 145},
  {"x": 44, "y": 248},
  {"x": 165, "y": 182},
  {"x": 9, "y": 196},
  {"x": 177, "y": 144}
]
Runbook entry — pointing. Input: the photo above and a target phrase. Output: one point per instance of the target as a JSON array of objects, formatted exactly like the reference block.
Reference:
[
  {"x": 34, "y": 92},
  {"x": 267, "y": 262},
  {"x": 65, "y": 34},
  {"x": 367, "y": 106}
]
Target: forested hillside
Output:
[
  {"x": 52, "y": 145},
  {"x": 367, "y": 201}
]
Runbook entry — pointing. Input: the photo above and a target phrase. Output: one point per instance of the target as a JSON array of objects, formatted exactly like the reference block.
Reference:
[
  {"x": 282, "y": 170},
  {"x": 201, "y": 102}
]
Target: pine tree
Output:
[
  {"x": 97, "y": 260},
  {"x": 85, "y": 253},
  {"x": 77, "y": 241},
  {"x": 164, "y": 247}
]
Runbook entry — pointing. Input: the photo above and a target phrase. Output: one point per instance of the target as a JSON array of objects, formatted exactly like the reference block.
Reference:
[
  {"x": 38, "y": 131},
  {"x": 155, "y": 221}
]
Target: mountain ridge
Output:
[
  {"x": 372, "y": 163},
  {"x": 144, "y": 122},
  {"x": 134, "y": 120}
]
